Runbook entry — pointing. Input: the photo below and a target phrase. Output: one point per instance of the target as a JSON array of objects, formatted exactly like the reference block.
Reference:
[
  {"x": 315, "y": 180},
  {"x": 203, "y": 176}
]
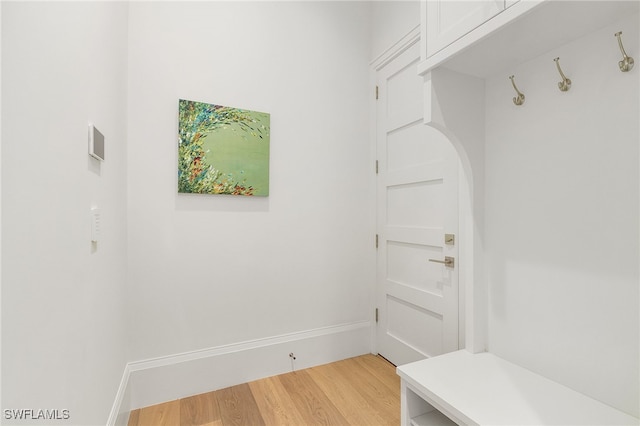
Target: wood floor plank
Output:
[
  {"x": 275, "y": 404},
  {"x": 200, "y": 410},
  {"x": 238, "y": 406},
  {"x": 353, "y": 406},
  {"x": 133, "y": 418},
  {"x": 380, "y": 397},
  {"x": 314, "y": 406},
  {"x": 161, "y": 414},
  {"x": 382, "y": 369}
]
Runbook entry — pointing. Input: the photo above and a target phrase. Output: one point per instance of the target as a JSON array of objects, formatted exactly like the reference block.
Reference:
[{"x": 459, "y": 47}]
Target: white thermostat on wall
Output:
[{"x": 96, "y": 143}]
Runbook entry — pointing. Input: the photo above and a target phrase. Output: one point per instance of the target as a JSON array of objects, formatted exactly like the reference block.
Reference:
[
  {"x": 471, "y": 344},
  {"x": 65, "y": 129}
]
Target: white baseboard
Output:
[
  {"x": 177, "y": 376},
  {"x": 119, "y": 415}
]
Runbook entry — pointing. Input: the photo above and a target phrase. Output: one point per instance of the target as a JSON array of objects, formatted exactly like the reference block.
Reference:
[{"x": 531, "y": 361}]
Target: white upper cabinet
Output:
[
  {"x": 481, "y": 37},
  {"x": 448, "y": 20}
]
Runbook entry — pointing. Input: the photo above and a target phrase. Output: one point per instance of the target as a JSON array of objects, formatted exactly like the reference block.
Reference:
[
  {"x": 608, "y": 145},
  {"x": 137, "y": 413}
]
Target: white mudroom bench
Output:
[{"x": 482, "y": 389}]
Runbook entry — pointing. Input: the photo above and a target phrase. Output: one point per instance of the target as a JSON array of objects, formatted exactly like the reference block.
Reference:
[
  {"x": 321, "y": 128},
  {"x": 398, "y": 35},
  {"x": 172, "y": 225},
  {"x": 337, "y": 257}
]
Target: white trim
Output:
[
  {"x": 243, "y": 346},
  {"x": 398, "y": 48},
  {"x": 167, "y": 378},
  {"x": 118, "y": 406}
]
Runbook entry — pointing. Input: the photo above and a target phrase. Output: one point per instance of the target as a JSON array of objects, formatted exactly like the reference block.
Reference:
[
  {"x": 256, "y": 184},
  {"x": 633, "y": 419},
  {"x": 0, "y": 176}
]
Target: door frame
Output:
[{"x": 471, "y": 332}]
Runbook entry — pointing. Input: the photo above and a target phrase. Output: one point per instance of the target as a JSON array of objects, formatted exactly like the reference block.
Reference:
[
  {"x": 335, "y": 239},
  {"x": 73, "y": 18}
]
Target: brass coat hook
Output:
[
  {"x": 518, "y": 100},
  {"x": 627, "y": 62},
  {"x": 565, "y": 84}
]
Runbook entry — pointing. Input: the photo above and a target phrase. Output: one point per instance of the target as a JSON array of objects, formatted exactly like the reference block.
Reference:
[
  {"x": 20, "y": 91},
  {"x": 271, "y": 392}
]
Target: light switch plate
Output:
[{"x": 95, "y": 224}]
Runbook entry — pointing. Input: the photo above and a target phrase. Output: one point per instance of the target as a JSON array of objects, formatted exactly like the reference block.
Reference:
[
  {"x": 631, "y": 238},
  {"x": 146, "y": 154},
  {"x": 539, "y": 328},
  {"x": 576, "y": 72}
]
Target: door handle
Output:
[{"x": 448, "y": 261}]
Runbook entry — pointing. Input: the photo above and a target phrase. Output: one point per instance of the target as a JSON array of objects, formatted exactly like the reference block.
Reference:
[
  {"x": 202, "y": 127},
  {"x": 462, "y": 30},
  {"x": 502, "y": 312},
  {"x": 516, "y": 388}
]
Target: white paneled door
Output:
[{"x": 417, "y": 297}]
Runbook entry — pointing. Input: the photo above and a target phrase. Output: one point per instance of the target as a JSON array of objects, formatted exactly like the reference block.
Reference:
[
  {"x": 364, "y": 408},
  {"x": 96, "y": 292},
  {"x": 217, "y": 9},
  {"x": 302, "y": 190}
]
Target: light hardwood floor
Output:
[{"x": 360, "y": 391}]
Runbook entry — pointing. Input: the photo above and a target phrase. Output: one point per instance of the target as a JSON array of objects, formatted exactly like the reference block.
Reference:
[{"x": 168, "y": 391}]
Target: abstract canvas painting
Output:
[{"x": 222, "y": 150}]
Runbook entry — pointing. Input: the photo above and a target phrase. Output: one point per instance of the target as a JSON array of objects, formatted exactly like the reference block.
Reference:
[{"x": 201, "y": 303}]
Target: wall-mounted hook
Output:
[
  {"x": 518, "y": 100},
  {"x": 627, "y": 62},
  {"x": 565, "y": 84}
]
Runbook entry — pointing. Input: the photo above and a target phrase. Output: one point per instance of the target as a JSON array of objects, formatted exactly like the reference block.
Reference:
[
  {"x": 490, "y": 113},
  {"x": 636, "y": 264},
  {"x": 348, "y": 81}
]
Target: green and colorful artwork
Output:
[{"x": 222, "y": 150}]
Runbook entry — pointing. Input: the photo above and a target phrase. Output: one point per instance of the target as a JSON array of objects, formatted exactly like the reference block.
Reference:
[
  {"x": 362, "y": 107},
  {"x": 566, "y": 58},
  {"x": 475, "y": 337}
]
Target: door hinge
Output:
[
  {"x": 376, "y": 315},
  {"x": 376, "y": 93},
  {"x": 376, "y": 166},
  {"x": 376, "y": 240}
]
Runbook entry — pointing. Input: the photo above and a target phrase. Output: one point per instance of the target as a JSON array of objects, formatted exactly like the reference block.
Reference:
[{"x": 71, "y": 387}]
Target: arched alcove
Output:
[
  {"x": 454, "y": 105},
  {"x": 553, "y": 201}
]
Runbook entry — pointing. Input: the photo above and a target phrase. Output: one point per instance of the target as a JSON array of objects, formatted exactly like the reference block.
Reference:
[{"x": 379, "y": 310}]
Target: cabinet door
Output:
[{"x": 448, "y": 20}]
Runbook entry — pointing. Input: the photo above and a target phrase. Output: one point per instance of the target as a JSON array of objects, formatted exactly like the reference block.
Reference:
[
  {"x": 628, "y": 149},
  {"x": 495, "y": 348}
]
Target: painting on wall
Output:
[{"x": 222, "y": 150}]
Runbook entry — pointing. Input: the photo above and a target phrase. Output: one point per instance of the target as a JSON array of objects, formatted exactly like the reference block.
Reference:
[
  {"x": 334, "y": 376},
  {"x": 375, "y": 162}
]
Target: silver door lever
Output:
[{"x": 448, "y": 261}]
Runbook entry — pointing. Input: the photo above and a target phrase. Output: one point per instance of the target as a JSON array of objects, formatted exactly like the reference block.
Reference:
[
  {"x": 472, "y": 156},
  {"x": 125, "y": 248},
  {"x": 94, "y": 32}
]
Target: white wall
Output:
[
  {"x": 0, "y": 202},
  {"x": 390, "y": 21},
  {"x": 206, "y": 271},
  {"x": 562, "y": 218},
  {"x": 63, "y": 323}
]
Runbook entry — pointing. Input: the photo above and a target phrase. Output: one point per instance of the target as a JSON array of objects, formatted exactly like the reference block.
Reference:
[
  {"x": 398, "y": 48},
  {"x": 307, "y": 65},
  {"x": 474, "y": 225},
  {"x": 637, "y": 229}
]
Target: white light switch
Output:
[{"x": 95, "y": 224}]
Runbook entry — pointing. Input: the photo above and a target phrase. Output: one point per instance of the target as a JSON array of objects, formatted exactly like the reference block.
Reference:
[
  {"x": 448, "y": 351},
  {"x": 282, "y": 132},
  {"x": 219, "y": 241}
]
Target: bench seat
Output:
[{"x": 483, "y": 389}]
